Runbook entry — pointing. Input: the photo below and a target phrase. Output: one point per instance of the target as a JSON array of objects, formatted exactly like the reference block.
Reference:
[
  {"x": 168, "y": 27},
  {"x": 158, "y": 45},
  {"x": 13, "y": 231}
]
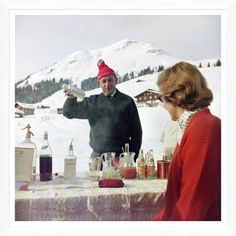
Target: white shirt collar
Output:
[{"x": 113, "y": 93}]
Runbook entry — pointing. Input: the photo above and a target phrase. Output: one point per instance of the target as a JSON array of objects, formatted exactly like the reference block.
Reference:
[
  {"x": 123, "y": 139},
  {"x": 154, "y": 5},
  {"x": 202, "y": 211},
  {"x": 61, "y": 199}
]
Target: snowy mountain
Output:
[{"x": 124, "y": 57}]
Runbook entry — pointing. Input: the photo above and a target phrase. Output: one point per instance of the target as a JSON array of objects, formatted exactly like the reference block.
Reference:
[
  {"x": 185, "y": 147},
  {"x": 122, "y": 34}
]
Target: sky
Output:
[{"x": 42, "y": 40}]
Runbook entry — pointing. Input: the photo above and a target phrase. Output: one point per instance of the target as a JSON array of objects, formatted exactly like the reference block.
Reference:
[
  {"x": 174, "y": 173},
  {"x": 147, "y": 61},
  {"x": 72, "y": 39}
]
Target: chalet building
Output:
[
  {"x": 18, "y": 113},
  {"x": 148, "y": 98},
  {"x": 27, "y": 109},
  {"x": 41, "y": 109}
]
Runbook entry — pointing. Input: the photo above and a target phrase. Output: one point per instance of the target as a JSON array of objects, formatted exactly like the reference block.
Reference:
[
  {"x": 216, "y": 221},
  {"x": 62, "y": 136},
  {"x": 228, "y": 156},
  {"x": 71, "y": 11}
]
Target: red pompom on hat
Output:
[{"x": 104, "y": 70}]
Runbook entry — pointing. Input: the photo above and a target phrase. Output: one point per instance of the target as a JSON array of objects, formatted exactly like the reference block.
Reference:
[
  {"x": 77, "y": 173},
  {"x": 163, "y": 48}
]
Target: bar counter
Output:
[{"x": 81, "y": 199}]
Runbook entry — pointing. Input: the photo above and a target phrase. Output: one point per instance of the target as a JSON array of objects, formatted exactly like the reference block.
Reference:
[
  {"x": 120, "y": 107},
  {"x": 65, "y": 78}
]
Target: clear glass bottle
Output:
[
  {"x": 126, "y": 148},
  {"x": 108, "y": 171},
  {"x": 27, "y": 143},
  {"x": 140, "y": 165},
  {"x": 45, "y": 157},
  {"x": 151, "y": 173},
  {"x": 146, "y": 161},
  {"x": 70, "y": 164},
  {"x": 74, "y": 90},
  {"x": 127, "y": 165}
]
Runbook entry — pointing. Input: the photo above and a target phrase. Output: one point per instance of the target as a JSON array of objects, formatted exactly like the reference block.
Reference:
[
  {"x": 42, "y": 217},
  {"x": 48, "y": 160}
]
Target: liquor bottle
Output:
[
  {"x": 146, "y": 161},
  {"x": 74, "y": 90},
  {"x": 141, "y": 165},
  {"x": 150, "y": 165},
  {"x": 27, "y": 143},
  {"x": 70, "y": 164},
  {"x": 127, "y": 148},
  {"x": 45, "y": 157}
]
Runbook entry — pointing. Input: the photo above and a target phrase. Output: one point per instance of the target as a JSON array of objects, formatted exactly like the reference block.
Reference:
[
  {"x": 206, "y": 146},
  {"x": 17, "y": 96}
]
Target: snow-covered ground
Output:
[{"x": 61, "y": 130}]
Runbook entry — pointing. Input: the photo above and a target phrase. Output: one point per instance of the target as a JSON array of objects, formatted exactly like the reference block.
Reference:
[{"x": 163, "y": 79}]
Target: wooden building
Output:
[
  {"x": 18, "y": 113},
  {"x": 28, "y": 109},
  {"x": 148, "y": 97}
]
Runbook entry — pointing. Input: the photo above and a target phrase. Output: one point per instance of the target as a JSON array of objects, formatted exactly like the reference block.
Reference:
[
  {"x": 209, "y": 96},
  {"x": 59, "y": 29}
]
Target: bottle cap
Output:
[
  {"x": 45, "y": 135},
  {"x": 28, "y": 132},
  {"x": 71, "y": 146}
]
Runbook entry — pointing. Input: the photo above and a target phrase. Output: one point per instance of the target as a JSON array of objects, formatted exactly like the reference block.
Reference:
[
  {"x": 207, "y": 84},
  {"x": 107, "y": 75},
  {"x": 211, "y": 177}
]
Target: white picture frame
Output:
[{"x": 226, "y": 227}]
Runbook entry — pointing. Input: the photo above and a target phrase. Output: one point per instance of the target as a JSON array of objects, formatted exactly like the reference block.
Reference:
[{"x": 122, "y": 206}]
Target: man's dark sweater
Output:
[{"x": 113, "y": 122}]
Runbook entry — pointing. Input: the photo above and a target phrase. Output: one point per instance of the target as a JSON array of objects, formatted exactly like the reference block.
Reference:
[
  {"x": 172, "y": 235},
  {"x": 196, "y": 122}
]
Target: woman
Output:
[{"x": 194, "y": 181}]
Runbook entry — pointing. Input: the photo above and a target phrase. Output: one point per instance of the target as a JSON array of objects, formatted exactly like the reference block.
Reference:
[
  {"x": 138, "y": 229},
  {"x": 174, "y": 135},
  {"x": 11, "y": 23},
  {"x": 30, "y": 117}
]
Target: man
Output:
[
  {"x": 112, "y": 116},
  {"x": 168, "y": 138}
]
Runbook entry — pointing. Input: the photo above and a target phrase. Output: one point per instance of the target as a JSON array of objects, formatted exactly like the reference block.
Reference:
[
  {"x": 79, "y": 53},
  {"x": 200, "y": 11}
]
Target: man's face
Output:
[{"x": 108, "y": 84}]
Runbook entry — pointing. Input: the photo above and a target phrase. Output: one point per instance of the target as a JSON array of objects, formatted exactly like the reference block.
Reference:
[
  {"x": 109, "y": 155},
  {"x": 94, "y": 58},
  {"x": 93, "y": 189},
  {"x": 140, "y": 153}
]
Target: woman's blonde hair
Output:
[{"x": 183, "y": 85}]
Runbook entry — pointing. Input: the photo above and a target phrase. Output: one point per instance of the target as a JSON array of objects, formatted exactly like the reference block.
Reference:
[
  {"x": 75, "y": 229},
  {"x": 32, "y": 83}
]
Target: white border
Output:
[{"x": 7, "y": 10}]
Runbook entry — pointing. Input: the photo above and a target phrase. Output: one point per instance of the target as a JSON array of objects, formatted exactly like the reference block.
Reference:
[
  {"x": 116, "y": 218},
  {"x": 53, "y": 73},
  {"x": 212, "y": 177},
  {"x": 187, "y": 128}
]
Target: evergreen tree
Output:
[
  {"x": 218, "y": 62},
  {"x": 41, "y": 90},
  {"x": 89, "y": 84},
  {"x": 146, "y": 71},
  {"x": 125, "y": 77},
  {"x": 131, "y": 75},
  {"x": 45, "y": 88},
  {"x": 160, "y": 68}
]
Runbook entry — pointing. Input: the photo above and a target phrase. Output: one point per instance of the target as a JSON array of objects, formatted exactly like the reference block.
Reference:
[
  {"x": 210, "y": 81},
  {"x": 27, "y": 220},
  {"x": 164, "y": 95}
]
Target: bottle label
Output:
[
  {"x": 69, "y": 168},
  {"x": 23, "y": 164},
  {"x": 141, "y": 171},
  {"x": 151, "y": 170}
]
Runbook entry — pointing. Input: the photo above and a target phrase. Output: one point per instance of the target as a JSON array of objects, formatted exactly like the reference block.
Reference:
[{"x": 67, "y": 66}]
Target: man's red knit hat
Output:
[{"x": 104, "y": 70}]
